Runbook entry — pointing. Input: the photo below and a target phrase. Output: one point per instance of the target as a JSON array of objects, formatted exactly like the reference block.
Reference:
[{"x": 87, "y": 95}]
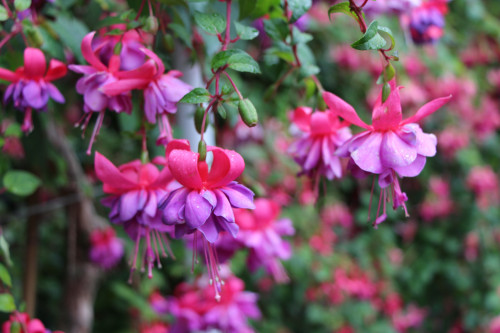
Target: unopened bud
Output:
[
  {"x": 34, "y": 36},
  {"x": 248, "y": 113},
  {"x": 118, "y": 48},
  {"x": 321, "y": 102},
  {"x": 198, "y": 119},
  {"x": 168, "y": 42},
  {"x": 151, "y": 25},
  {"x": 389, "y": 72},
  {"x": 386, "y": 90}
]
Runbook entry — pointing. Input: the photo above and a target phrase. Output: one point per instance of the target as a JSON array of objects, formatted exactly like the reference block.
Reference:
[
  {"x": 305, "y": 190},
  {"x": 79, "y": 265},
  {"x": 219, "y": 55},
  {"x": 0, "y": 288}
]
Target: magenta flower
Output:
[
  {"x": 96, "y": 76},
  {"x": 162, "y": 92},
  {"x": 427, "y": 22},
  {"x": 204, "y": 204},
  {"x": 261, "y": 231},
  {"x": 323, "y": 134},
  {"x": 135, "y": 190},
  {"x": 390, "y": 147},
  {"x": 31, "y": 85},
  {"x": 106, "y": 250},
  {"x": 195, "y": 308}
]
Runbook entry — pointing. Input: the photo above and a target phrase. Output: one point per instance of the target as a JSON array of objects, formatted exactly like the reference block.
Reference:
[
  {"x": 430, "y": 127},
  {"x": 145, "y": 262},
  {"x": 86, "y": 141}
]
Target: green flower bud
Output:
[
  {"x": 202, "y": 150},
  {"x": 389, "y": 72},
  {"x": 386, "y": 90},
  {"x": 198, "y": 119},
  {"x": 151, "y": 25},
  {"x": 118, "y": 48},
  {"x": 248, "y": 113},
  {"x": 34, "y": 36}
]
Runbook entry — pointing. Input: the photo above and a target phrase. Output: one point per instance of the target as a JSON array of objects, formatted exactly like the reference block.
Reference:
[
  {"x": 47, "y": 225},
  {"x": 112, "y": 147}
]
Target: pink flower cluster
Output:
[{"x": 22, "y": 323}]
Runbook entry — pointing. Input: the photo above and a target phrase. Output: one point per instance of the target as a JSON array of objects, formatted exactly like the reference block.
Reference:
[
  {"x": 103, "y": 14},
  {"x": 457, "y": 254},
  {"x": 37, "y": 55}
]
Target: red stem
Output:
[{"x": 234, "y": 85}]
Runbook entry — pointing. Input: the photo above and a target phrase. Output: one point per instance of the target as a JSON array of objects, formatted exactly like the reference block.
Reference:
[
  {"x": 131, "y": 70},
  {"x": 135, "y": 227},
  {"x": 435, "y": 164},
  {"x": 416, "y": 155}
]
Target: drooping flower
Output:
[
  {"x": 95, "y": 76},
  {"x": 204, "y": 204},
  {"x": 426, "y": 22},
  {"x": 323, "y": 133},
  {"x": 390, "y": 147},
  {"x": 135, "y": 189},
  {"x": 106, "y": 249},
  {"x": 195, "y": 309},
  {"x": 31, "y": 85},
  {"x": 162, "y": 92},
  {"x": 261, "y": 231}
]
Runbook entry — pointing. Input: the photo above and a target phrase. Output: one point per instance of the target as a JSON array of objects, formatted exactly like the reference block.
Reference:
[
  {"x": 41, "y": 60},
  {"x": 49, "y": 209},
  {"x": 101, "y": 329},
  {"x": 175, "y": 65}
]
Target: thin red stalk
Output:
[
  {"x": 234, "y": 85},
  {"x": 140, "y": 10},
  {"x": 227, "y": 38}
]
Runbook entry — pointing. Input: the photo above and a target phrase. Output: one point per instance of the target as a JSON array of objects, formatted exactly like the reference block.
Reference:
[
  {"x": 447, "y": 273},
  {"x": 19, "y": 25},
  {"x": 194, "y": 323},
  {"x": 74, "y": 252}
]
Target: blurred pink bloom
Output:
[
  {"x": 337, "y": 214},
  {"x": 135, "y": 190},
  {"x": 483, "y": 181},
  {"x": 158, "y": 327},
  {"x": 106, "y": 250},
  {"x": 426, "y": 22},
  {"x": 323, "y": 241},
  {"x": 390, "y": 6},
  {"x": 31, "y": 85},
  {"x": 348, "y": 58},
  {"x": 471, "y": 246},
  {"x": 494, "y": 78},
  {"x": 437, "y": 203},
  {"x": 390, "y": 147},
  {"x": 26, "y": 325},
  {"x": 322, "y": 134},
  {"x": 195, "y": 309},
  {"x": 413, "y": 317},
  {"x": 494, "y": 326},
  {"x": 355, "y": 283},
  {"x": 451, "y": 140}
]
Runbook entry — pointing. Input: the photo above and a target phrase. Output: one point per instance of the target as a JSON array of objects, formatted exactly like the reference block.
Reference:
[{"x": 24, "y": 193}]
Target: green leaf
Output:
[
  {"x": 3, "y": 13},
  {"x": 236, "y": 59},
  {"x": 7, "y": 303},
  {"x": 212, "y": 23},
  {"x": 21, "y": 183},
  {"x": 4, "y": 246},
  {"x": 277, "y": 29},
  {"x": 196, "y": 96},
  {"x": 181, "y": 32},
  {"x": 371, "y": 40},
  {"x": 245, "y": 32},
  {"x": 5, "y": 276},
  {"x": 246, "y": 8},
  {"x": 13, "y": 129},
  {"x": 71, "y": 31},
  {"x": 298, "y": 8},
  {"x": 342, "y": 7},
  {"x": 21, "y": 5},
  {"x": 115, "y": 32},
  {"x": 388, "y": 32}
]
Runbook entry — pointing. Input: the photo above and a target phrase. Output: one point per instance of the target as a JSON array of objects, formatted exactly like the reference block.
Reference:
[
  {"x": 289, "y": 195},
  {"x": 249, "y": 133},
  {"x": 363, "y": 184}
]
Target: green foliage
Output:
[
  {"x": 235, "y": 59},
  {"x": 21, "y": 183},
  {"x": 371, "y": 40},
  {"x": 212, "y": 23},
  {"x": 196, "y": 96}
]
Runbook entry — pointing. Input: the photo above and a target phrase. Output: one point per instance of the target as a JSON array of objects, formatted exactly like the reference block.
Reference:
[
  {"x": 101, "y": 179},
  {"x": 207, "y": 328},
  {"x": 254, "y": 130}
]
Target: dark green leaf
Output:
[
  {"x": 371, "y": 40},
  {"x": 5, "y": 276},
  {"x": 212, "y": 23},
  {"x": 246, "y": 8},
  {"x": 71, "y": 31},
  {"x": 342, "y": 7},
  {"x": 277, "y": 29},
  {"x": 245, "y": 32},
  {"x": 196, "y": 96},
  {"x": 300, "y": 37},
  {"x": 236, "y": 59},
  {"x": 181, "y": 32},
  {"x": 13, "y": 130},
  {"x": 115, "y": 32},
  {"x": 4, "y": 247},
  {"x": 109, "y": 21},
  {"x": 21, "y": 5},
  {"x": 21, "y": 183},
  {"x": 298, "y": 8},
  {"x": 7, "y": 303}
]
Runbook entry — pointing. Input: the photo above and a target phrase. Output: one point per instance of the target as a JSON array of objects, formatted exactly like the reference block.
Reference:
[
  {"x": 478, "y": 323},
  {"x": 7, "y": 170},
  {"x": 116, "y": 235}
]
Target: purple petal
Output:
[
  {"x": 197, "y": 209},
  {"x": 173, "y": 205},
  {"x": 223, "y": 208},
  {"x": 54, "y": 93},
  {"x": 151, "y": 205},
  {"x": 396, "y": 152},
  {"x": 209, "y": 230},
  {"x": 128, "y": 205},
  {"x": 239, "y": 196},
  {"x": 34, "y": 95},
  {"x": 413, "y": 169},
  {"x": 210, "y": 196},
  {"x": 367, "y": 155},
  {"x": 313, "y": 155}
]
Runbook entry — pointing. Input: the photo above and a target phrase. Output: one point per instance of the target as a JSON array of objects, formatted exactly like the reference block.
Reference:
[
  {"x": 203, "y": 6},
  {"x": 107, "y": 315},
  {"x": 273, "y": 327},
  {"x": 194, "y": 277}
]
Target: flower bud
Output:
[
  {"x": 389, "y": 72},
  {"x": 118, "y": 48},
  {"x": 151, "y": 25},
  {"x": 198, "y": 119},
  {"x": 34, "y": 36},
  {"x": 248, "y": 113},
  {"x": 386, "y": 90},
  {"x": 202, "y": 150}
]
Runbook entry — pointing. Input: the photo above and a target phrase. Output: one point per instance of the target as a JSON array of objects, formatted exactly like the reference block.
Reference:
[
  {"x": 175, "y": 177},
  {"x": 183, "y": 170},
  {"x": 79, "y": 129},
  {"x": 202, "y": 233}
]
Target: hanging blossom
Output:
[
  {"x": 135, "y": 189},
  {"x": 204, "y": 204},
  {"x": 24, "y": 324},
  {"x": 390, "y": 147},
  {"x": 323, "y": 133},
  {"x": 106, "y": 250},
  {"x": 31, "y": 85},
  {"x": 194, "y": 308},
  {"x": 426, "y": 22},
  {"x": 162, "y": 92},
  {"x": 95, "y": 76}
]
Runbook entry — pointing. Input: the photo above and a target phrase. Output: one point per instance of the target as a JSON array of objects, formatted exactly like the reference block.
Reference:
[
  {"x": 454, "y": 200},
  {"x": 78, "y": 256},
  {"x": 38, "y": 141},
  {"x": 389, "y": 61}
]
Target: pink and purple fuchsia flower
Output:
[
  {"x": 106, "y": 250},
  {"x": 31, "y": 85},
  {"x": 390, "y": 147},
  {"x": 135, "y": 189},
  {"x": 204, "y": 204},
  {"x": 323, "y": 133}
]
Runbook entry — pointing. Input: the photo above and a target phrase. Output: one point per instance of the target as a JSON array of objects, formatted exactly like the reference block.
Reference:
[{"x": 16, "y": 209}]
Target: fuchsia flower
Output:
[
  {"x": 195, "y": 309},
  {"x": 106, "y": 249},
  {"x": 483, "y": 181},
  {"x": 323, "y": 134},
  {"x": 427, "y": 21},
  {"x": 25, "y": 324},
  {"x": 162, "y": 92},
  {"x": 96, "y": 76},
  {"x": 31, "y": 85},
  {"x": 204, "y": 204},
  {"x": 135, "y": 190},
  {"x": 390, "y": 147}
]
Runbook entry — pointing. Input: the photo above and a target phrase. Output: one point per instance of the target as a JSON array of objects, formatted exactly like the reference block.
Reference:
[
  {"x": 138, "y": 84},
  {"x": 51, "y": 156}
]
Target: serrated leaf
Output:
[
  {"x": 342, "y": 7},
  {"x": 196, "y": 96},
  {"x": 21, "y": 5},
  {"x": 245, "y": 32},
  {"x": 298, "y": 8},
  {"x": 5, "y": 276},
  {"x": 20, "y": 183},
  {"x": 7, "y": 303},
  {"x": 236, "y": 59},
  {"x": 212, "y": 23},
  {"x": 371, "y": 40},
  {"x": 3, "y": 13}
]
